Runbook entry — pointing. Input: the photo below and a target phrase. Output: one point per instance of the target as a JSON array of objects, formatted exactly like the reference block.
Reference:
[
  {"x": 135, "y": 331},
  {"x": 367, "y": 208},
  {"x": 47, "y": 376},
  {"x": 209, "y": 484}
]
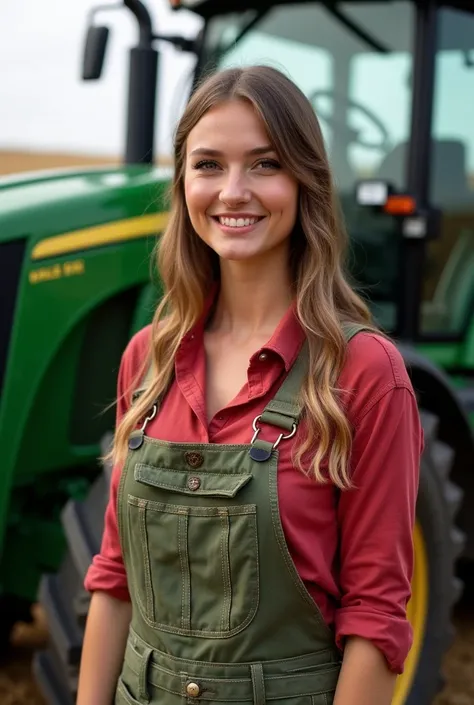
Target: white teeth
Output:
[{"x": 238, "y": 222}]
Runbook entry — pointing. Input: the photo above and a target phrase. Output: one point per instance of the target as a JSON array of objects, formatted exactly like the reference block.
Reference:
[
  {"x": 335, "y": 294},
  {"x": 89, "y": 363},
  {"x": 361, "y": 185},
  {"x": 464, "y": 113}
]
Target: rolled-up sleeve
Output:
[
  {"x": 376, "y": 520},
  {"x": 107, "y": 571}
]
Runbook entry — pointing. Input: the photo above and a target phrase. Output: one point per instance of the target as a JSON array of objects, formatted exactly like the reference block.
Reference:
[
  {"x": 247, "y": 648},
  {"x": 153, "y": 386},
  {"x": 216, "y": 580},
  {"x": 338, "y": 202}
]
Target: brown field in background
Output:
[{"x": 13, "y": 162}]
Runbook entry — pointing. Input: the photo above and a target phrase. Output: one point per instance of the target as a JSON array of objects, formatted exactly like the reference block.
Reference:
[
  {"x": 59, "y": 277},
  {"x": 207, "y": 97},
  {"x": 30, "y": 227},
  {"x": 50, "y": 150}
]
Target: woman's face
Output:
[{"x": 241, "y": 201}]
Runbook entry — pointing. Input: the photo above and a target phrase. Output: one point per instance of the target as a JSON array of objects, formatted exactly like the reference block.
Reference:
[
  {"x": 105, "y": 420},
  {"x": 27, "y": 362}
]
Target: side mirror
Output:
[{"x": 94, "y": 52}]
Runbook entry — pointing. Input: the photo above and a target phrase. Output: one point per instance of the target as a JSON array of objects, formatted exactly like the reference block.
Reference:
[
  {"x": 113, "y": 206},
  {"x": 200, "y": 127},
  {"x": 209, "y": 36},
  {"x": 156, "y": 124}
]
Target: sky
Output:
[{"x": 45, "y": 106}]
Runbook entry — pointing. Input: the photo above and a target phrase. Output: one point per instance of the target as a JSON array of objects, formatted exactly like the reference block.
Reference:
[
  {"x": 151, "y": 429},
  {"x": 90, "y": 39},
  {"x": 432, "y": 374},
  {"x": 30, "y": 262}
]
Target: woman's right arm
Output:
[
  {"x": 103, "y": 650},
  {"x": 109, "y": 614},
  {"x": 110, "y": 610}
]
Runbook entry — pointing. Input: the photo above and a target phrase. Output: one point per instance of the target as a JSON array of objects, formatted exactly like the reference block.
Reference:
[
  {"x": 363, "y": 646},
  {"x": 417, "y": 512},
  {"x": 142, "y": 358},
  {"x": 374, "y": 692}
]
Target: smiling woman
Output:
[
  {"x": 258, "y": 537},
  {"x": 235, "y": 186}
]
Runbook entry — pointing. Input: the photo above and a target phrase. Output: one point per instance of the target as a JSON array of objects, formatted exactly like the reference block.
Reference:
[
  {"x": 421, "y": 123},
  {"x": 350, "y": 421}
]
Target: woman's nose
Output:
[{"x": 234, "y": 190}]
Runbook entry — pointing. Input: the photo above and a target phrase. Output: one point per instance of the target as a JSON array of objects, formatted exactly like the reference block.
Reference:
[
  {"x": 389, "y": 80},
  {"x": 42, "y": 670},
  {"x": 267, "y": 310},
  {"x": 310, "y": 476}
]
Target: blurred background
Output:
[
  {"x": 74, "y": 249},
  {"x": 48, "y": 115}
]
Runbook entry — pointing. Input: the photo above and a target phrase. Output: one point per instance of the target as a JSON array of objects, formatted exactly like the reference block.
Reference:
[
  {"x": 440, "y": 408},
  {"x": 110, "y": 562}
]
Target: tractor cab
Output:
[{"x": 390, "y": 83}]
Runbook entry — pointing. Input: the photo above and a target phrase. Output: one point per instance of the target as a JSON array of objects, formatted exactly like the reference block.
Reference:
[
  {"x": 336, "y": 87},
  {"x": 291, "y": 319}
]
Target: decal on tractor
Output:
[{"x": 56, "y": 271}]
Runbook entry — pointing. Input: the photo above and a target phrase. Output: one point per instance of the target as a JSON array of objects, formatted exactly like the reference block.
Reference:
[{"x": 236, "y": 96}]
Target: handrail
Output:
[{"x": 144, "y": 20}]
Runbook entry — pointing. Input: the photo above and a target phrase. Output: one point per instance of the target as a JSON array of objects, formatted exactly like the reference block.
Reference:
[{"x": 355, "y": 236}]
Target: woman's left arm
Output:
[
  {"x": 365, "y": 677},
  {"x": 376, "y": 520}
]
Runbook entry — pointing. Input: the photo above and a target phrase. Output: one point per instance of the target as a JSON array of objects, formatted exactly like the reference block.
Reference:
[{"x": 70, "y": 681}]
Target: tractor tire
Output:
[
  {"x": 62, "y": 595},
  {"x": 435, "y": 588}
]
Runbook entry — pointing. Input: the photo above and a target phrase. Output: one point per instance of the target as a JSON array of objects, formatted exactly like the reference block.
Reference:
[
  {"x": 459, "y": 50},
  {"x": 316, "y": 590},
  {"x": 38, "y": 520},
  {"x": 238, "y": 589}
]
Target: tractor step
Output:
[
  {"x": 58, "y": 595},
  {"x": 53, "y": 683},
  {"x": 83, "y": 524}
]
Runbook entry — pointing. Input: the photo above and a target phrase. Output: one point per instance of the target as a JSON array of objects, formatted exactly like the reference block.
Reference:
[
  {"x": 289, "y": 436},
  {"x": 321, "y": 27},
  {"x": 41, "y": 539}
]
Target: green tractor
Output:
[{"x": 393, "y": 85}]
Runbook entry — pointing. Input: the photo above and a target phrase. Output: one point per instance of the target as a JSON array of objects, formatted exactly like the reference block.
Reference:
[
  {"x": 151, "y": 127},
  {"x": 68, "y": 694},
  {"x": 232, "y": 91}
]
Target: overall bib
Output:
[{"x": 220, "y": 614}]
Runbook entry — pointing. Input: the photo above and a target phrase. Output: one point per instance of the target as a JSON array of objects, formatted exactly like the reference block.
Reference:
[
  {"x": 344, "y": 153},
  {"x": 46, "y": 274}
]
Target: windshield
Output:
[{"x": 355, "y": 65}]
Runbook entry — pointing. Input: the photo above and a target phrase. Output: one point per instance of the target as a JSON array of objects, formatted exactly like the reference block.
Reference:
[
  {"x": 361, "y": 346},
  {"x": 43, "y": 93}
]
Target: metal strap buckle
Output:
[
  {"x": 149, "y": 418},
  {"x": 280, "y": 438}
]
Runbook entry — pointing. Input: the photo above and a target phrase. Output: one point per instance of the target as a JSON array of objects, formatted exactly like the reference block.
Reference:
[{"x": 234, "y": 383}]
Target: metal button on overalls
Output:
[
  {"x": 219, "y": 609},
  {"x": 194, "y": 483},
  {"x": 193, "y": 690}
]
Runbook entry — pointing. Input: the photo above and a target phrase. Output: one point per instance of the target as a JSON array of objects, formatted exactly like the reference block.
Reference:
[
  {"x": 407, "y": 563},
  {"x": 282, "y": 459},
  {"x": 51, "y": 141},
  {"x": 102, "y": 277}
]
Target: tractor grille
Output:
[{"x": 11, "y": 259}]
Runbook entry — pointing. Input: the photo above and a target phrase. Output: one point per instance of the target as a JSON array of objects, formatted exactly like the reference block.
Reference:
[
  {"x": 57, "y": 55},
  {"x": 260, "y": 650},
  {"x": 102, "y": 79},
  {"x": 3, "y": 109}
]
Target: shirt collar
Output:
[
  {"x": 287, "y": 338},
  {"x": 286, "y": 341}
]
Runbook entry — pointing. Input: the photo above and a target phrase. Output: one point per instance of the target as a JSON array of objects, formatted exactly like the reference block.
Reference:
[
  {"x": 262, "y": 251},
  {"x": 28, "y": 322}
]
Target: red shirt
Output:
[{"x": 352, "y": 549}]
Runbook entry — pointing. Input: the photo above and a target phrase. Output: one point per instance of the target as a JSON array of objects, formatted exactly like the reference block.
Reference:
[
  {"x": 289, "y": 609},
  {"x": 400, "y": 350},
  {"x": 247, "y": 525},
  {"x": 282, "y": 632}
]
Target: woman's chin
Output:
[{"x": 237, "y": 254}]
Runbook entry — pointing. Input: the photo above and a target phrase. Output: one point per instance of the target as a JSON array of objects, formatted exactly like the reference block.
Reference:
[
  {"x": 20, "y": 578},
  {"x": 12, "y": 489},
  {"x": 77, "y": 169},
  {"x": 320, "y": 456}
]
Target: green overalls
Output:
[{"x": 220, "y": 614}]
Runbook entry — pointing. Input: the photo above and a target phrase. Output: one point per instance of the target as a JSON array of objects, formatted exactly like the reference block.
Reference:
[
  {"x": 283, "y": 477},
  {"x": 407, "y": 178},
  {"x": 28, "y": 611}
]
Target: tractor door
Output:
[{"x": 447, "y": 311}]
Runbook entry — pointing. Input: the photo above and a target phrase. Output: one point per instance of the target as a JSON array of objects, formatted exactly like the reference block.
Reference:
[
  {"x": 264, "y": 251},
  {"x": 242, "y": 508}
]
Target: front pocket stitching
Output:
[
  {"x": 138, "y": 598},
  {"x": 150, "y": 603},
  {"x": 183, "y": 527},
  {"x": 226, "y": 579},
  {"x": 168, "y": 508},
  {"x": 255, "y": 595}
]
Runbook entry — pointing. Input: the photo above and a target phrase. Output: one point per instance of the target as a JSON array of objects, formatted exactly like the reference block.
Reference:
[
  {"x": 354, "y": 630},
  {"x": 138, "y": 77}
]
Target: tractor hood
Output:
[{"x": 45, "y": 205}]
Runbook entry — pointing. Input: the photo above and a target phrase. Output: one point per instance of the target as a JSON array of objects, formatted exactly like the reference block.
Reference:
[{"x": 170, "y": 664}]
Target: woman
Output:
[{"x": 258, "y": 538}]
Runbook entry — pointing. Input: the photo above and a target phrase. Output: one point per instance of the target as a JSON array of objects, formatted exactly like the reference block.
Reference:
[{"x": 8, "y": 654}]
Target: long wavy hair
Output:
[{"x": 324, "y": 299}]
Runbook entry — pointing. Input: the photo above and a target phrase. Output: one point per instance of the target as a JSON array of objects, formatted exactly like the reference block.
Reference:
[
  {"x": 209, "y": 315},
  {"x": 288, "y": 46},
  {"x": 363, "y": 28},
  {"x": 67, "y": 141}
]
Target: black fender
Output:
[{"x": 436, "y": 394}]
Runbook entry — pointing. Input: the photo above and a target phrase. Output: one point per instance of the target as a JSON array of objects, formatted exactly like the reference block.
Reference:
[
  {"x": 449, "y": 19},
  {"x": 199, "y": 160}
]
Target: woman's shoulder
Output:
[
  {"x": 139, "y": 345},
  {"x": 135, "y": 355},
  {"x": 373, "y": 367},
  {"x": 375, "y": 355}
]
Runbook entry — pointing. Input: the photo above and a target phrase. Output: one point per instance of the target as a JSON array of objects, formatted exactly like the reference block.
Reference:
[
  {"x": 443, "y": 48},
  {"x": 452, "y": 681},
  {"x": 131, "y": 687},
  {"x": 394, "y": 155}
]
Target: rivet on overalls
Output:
[
  {"x": 193, "y": 690},
  {"x": 194, "y": 483},
  {"x": 193, "y": 459}
]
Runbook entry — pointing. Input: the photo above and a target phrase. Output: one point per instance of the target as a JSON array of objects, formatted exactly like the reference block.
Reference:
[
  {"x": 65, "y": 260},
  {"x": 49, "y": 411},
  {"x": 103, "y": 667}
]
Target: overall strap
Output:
[
  {"x": 283, "y": 411},
  {"x": 351, "y": 329}
]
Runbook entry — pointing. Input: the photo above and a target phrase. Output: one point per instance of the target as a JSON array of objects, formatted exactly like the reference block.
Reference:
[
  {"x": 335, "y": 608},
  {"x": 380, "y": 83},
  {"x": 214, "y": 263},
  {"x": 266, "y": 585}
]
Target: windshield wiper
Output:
[{"x": 356, "y": 29}]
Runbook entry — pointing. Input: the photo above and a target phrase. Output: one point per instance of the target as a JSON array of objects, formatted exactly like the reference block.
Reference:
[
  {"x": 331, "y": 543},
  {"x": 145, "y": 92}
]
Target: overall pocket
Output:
[{"x": 194, "y": 567}]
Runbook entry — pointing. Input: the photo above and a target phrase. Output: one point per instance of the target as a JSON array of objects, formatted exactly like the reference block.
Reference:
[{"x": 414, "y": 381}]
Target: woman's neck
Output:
[{"x": 251, "y": 301}]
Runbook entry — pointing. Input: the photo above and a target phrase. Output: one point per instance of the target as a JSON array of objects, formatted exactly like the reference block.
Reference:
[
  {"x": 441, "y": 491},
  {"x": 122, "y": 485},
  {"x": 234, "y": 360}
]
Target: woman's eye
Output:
[
  {"x": 205, "y": 165},
  {"x": 268, "y": 164}
]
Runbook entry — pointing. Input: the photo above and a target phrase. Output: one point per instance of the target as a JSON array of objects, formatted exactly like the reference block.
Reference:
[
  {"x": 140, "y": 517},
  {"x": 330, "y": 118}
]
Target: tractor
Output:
[{"x": 392, "y": 83}]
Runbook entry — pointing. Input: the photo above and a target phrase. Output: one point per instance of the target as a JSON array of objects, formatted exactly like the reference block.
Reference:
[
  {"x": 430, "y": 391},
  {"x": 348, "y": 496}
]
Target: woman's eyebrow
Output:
[{"x": 265, "y": 149}]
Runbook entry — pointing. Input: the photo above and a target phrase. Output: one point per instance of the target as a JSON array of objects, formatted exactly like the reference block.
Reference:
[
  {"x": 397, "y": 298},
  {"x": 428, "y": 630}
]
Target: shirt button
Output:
[
  {"x": 262, "y": 357},
  {"x": 193, "y": 690}
]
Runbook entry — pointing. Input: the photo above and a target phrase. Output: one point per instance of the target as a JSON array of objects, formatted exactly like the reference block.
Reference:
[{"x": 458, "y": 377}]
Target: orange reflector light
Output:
[{"x": 400, "y": 205}]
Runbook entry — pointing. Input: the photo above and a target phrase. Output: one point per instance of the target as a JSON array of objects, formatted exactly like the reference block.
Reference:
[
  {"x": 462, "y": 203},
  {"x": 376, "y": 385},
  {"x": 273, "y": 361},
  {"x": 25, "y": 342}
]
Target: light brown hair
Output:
[{"x": 324, "y": 298}]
